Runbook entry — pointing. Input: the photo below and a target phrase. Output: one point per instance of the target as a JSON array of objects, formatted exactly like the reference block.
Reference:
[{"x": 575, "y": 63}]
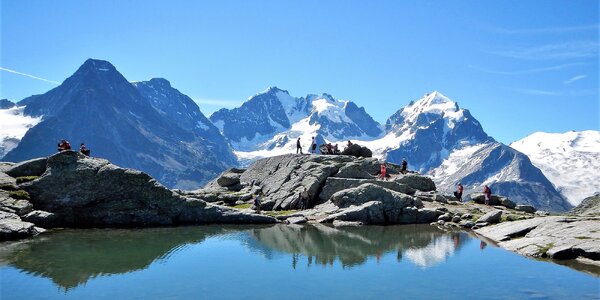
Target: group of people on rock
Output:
[
  {"x": 64, "y": 145},
  {"x": 330, "y": 149}
]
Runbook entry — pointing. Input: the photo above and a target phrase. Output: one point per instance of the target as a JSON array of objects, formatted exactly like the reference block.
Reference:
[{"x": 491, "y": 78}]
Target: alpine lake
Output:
[{"x": 280, "y": 262}]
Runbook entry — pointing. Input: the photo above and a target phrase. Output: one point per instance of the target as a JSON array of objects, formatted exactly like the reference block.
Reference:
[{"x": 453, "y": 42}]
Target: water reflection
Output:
[
  {"x": 424, "y": 245},
  {"x": 72, "y": 257}
]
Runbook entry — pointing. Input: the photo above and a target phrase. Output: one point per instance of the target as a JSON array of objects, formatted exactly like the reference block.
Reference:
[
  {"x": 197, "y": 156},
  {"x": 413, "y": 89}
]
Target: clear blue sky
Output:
[{"x": 519, "y": 66}]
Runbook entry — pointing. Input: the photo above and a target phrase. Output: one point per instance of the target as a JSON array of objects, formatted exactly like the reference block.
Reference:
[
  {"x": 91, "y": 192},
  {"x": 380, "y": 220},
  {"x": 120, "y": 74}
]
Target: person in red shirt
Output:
[
  {"x": 64, "y": 145},
  {"x": 487, "y": 193},
  {"x": 383, "y": 171}
]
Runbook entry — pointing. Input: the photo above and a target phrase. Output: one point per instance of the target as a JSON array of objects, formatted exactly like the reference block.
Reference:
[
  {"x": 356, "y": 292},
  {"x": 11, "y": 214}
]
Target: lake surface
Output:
[{"x": 278, "y": 262}]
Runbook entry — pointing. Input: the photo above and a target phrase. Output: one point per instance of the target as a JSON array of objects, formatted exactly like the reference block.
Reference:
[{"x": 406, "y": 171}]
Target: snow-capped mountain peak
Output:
[{"x": 570, "y": 160}]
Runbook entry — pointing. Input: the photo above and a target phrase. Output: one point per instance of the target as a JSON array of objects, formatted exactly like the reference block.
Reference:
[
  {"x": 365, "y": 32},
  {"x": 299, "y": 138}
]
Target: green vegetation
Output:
[
  {"x": 242, "y": 206},
  {"x": 583, "y": 237},
  {"x": 19, "y": 194},
  {"x": 275, "y": 213},
  {"x": 23, "y": 179},
  {"x": 542, "y": 250}
]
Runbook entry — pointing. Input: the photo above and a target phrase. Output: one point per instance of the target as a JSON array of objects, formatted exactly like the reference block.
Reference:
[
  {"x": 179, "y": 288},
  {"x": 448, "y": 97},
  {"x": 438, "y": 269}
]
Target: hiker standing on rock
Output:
[
  {"x": 383, "y": 171},
  {"x": 404, "y": 165},
  {"x": 459, "y": 191},
  {"x": 313, "y": 146},
  {"x": 304, "y": 199},
  {"x": 487, "y": 193},
  {"x": 298, "y": 146},
  {"x": 257, "y": 203}
]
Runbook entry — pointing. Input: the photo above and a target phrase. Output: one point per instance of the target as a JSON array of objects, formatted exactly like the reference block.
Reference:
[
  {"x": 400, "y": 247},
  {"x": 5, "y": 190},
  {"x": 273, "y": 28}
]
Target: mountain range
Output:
[
  {"x": 151, "y": 126},
  {"x": 148, "y": 125}
]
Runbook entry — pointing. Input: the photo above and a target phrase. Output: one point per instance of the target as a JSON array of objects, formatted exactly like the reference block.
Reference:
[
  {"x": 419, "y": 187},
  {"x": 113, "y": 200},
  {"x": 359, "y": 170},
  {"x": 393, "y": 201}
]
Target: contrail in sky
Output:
[{"x": 28, "y": 75}]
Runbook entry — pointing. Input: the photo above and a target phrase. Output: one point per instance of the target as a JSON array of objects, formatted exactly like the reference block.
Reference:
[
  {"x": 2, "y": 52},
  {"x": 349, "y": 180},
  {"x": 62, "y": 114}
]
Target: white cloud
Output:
[
  {"x": 569, "y": 93},
  {"x": 574, "y": 78},
  {"x": 29, "y": 75},
  {"x": 526, "y": 71},
  {"x": 568, "y": 50},
  {"x": 218, "y": 102},
  {"x": 545, "y": 30}
]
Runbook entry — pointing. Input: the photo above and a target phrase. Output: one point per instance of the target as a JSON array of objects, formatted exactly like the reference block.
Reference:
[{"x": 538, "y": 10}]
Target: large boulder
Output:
[
  {"x": 418, "y": 182},
  {"x": 33, "y": 167},
  {"x": 480, "y": 198},
  {"x": 333, "y": 185},
  {"x": 228, "y": 179},
  {"x": 525, "y": 208},
  {"x": 371, "y": 192},
  {"x": 41, "y": 218},
  {"x": 12, "y": 205},
  {"x": 357, "y": 151},
  {"x": 493, "y": 216},
  {"x": 84, "y": 191}
]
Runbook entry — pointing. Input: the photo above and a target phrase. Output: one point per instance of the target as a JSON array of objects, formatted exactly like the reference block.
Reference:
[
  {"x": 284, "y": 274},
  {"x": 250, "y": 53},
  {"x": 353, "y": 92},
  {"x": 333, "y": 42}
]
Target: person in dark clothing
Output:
[
  {"x": 298, "y": 146},
  {"x": 64, "y": 145},
  {"x": 313, "y": 146},
  {"x": 349, "y": 144},
  {"x": 329, "y": 148},
  {"x": 257, "y": 203},
  {"x": 84, "y": 150},
  {"x": 304, "y": 199},
  {"x": 487, "y": 193},
  {"x": 459, "y": 192},
  {"x": 404, "y": 165},
  {"x": 336, "y": 150}
]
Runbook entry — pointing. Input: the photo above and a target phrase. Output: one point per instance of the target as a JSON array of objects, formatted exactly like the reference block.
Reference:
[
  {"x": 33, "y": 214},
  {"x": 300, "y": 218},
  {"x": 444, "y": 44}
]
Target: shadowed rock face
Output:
[{"x": 83, "y": 191}]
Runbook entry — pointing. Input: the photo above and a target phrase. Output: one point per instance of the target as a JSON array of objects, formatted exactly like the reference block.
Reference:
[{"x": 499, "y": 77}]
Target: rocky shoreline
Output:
[{"x": 69, "y": 189}]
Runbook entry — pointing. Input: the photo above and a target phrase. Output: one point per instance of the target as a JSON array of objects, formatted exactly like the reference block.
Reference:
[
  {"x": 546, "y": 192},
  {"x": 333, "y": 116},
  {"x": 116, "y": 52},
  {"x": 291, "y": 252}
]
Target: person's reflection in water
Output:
[
  {"x": 456, "y": 239},
  {"x": 294, "y": 260},
  {"x": 309, "y": 260},
  {"x": 378, "y": 256},
  {"x": 399, "y": 256},
  {"x": 482, "y": 245}
]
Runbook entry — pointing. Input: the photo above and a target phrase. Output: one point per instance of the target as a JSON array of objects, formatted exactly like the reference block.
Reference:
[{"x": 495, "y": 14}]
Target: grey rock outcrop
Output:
[
  {"x": 590, "y": 206},
  {"x": 11, "y": 227},
  {"x": 282, "y": 178},
  {"x": 418, "y": 182},
  {"x": 83, "y": 191},
  {"x": 371, "y": 192},
  {"x": 33, "y": 167},
  {"x": 554, "y": 237},
  {"x": 525, "y": 208},
  {"x": 334, "y": 184}
]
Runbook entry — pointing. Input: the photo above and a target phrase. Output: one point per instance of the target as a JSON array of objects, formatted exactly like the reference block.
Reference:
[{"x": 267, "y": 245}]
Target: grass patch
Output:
[
  {"x": 242, "y": 206},
  {"x": 19, "y": 194},
  {"x": 583, "y": 237},
  {"x": 8, "y": 187},
  {"x": 24, "y": 179},
  {"x": 275, "y": 213},
  {"x": 542, "y": 250}
]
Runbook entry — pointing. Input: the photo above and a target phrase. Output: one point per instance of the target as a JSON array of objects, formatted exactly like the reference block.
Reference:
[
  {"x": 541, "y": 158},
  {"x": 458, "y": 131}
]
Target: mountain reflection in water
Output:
[
  {"x": 424, "y": 245},
  {"x": 72, "y": 257}
]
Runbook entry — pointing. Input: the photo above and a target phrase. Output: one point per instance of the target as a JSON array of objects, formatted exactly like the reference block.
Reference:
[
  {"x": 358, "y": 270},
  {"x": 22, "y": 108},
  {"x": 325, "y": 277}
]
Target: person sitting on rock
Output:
[
  {"x": 383, "y": 171},
  {"x": 349, "y": 144},
  {"x": 84, "y": 150},
  {"x": 298, "y": 146},
  {"x": 459, "y": 191},
  {"x": 64, "y": 145},
  {"x": 329, "y": 148},
  {"x": 487, "y": 193},
  {"x": 404, "y": 165},
  {"x": 336, "y": 150}
]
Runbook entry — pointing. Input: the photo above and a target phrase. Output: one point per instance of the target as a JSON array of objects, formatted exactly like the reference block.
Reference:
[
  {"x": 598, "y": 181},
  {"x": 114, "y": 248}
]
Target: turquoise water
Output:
[{"x": 278, "y": 262}]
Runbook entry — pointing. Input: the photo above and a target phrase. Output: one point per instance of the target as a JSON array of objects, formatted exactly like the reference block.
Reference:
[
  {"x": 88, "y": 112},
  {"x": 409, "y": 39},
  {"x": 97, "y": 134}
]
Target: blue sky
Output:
[{"x": 519, "y": 66}]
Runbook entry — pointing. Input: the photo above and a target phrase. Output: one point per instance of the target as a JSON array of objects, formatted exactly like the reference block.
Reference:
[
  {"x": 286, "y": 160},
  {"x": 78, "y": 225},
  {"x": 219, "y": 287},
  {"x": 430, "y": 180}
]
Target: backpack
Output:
[{"x": 314, "y": 146}]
